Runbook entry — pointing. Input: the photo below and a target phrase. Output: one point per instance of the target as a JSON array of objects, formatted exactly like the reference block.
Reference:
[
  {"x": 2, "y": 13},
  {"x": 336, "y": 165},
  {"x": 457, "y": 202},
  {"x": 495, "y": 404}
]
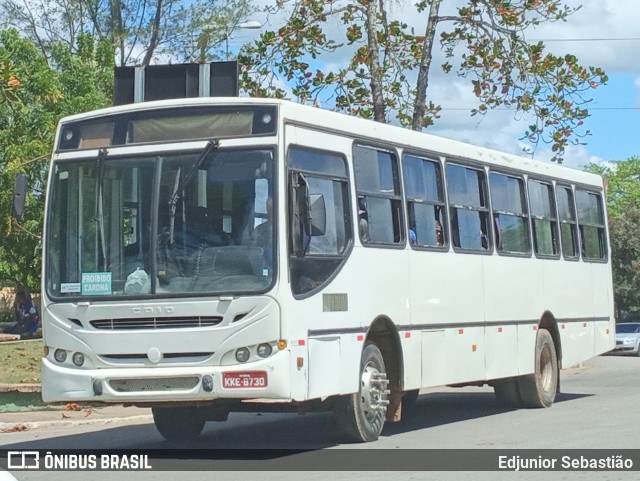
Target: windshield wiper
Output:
[
  {"x": 98, "y": 215},
  {"x": 181, "y": 182}
]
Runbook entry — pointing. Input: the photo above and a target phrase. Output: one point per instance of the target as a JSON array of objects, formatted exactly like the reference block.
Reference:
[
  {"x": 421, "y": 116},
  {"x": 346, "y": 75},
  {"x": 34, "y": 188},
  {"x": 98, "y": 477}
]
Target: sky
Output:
[{"x": 602, "y": 33}]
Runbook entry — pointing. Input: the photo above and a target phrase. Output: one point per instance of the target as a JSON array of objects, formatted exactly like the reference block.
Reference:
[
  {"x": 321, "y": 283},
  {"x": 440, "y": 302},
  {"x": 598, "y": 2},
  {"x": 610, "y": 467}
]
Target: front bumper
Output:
[{"x": 161, "y": 384}]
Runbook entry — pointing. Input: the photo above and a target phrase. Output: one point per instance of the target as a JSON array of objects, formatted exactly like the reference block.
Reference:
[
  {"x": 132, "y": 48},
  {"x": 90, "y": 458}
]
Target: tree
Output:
[
  {"x": 390, "y": 66},
  {"x": 138, "y": 30},
  {"x": 34, "y": 97},
  {"x": 623, "y": 204}
]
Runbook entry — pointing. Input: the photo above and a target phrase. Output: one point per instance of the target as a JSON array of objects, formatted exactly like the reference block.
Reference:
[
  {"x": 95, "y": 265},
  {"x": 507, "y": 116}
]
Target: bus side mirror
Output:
[
  {"x": 19, "y": 195},
  {"x": 318, "y": 214}
]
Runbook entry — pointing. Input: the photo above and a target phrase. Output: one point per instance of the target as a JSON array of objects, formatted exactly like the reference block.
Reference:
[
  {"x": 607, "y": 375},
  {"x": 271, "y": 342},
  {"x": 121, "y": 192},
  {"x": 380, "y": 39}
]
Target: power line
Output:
[
  {"x": 610, "y": 39},
  {"x": 590, "y": 109}
]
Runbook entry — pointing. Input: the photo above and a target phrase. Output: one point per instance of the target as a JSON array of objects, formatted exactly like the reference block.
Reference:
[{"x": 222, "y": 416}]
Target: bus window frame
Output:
[
  {"x": 604, "y": 226},
  {"x": 554, "y": 206},
  {"x": 393, "y": 151},
  {"x": 350, "y": 233},
  {"x": 576, "y": 240},
  {"x": 444, "y": 205},
  {"x": 524, "y": 198},
  {"x": 490, "y": 234}
]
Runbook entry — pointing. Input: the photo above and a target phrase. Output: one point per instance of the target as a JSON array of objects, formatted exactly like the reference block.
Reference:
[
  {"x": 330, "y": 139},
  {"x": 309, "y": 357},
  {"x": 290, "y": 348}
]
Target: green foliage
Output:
[
  {"x": 35, "y": 96},
  {"x": 486, "y": 37},
  {"x": 623, "y": 202},
  {"x": 136, "y": 32},
  {"x": 507, "y": 71}
]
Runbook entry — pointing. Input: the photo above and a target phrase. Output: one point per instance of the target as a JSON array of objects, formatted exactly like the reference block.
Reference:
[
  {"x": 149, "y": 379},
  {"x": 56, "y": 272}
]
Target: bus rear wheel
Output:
[
  {"x": 179, "y": 424},
  {"x": 538, "y": 390},
  {"x": 361, "y": 415}
]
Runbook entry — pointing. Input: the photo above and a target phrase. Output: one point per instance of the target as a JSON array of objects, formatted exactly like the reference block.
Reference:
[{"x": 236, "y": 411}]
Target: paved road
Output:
[{"x": 598, "y": 408}]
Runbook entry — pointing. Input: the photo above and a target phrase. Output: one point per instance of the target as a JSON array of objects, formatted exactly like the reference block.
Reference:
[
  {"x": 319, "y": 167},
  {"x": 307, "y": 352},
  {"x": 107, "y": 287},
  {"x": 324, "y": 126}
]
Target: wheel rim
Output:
[
  {"x": 373, "y": 392},
  {"x": 546, "y": 369}
]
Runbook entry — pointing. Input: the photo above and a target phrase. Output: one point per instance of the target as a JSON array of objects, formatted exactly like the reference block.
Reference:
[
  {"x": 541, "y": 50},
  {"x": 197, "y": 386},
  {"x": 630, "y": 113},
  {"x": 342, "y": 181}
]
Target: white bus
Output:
[{"x": 206, "y": 256}]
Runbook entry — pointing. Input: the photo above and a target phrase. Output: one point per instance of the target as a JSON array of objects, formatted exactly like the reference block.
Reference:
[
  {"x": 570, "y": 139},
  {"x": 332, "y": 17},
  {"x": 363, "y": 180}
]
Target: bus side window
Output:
[
  {"x": 544, "y": 218},
  {"x": 378, "y": 188},
  {"x": 510, "y": 216},
  {"x": 425, "y": 201},
  {"x": 469, "y": 209},
  {"x": 314, "y": 256},
  {"x": 568, "y": 225},
  {"x": 591, "y": 225}
]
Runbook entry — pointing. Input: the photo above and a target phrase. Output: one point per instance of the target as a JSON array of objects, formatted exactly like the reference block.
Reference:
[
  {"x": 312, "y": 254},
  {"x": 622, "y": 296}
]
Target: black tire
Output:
[
  {"x": 361, "y": 415},
  {"x": 507, "y": 393},
  {"x": 409, "y": 400},
  {"x": 638, "y": 351},
  {"x": 179, "y": 424},
  {"x": 539, "y": 390}
]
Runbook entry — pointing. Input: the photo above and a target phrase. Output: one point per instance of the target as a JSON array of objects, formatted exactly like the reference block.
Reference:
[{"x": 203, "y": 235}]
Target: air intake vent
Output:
[
  {"x": 157, "y": 323},
  {"x": 160, "y": 384},
  {"x": 166, "y": 355}
]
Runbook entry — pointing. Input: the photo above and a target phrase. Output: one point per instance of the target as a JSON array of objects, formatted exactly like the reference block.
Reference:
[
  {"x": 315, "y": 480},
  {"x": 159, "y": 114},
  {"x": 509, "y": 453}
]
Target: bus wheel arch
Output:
[{"x": 548, "y": 322}]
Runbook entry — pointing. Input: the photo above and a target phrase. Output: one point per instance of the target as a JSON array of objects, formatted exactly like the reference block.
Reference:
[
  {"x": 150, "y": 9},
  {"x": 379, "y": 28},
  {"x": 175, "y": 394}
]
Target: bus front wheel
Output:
[
  {"x": 361, "y": 415},
  {"x": 538, "y": 390},
  {"x": 179, "y": 424}
]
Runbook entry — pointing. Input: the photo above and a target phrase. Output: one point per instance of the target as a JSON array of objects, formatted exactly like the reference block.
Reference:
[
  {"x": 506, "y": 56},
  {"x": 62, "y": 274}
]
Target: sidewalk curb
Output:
[
  {"x": 20, "y": 388},
  {"x": 70, "y": 422}
]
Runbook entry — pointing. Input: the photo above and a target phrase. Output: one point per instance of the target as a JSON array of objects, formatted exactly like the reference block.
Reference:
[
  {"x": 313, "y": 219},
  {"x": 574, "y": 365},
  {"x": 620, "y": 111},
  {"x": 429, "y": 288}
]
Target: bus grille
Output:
[
  {"x": 157, "y": 322},
  {"x": 159, "y": 384}
]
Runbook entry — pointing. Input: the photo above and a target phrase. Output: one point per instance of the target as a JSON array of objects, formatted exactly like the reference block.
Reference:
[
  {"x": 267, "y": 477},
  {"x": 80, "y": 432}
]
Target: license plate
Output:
[{"x": 244, "y": 380}]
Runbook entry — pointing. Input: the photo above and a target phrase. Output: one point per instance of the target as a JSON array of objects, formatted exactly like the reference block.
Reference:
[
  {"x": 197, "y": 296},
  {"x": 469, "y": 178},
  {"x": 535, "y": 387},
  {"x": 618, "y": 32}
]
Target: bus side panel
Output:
[
  {"x": 570, "y": 299},
  {"x": 453, "y": 355},
  {"x": 578, "y": 338},
  {"x": 434, "y": 357},
  {"x": 447, "y": 294},
  {"x": 324, "y": 366},
  {"x": 411, "y": 342},
  {"x": 526, "y": 347},
  {"x": 502, "y": 351},
  {"x": 603, "y": 306},
  {"x": 335, "y": 339},
  {"x": 513, "y": 294}
]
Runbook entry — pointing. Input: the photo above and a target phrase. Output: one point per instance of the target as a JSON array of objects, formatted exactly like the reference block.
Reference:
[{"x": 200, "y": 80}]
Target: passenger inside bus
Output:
[
  {"x": 439, "y": 234},
  {"x": 363, "y": 220}
]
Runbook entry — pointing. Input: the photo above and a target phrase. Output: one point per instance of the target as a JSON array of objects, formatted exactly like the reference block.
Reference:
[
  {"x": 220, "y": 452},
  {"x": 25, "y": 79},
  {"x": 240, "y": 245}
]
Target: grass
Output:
[{"x": 20, "y": 362}]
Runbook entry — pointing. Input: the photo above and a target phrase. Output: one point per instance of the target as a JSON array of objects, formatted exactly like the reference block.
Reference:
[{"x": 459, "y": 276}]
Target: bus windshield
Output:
[{"x": 161, "y": 225}]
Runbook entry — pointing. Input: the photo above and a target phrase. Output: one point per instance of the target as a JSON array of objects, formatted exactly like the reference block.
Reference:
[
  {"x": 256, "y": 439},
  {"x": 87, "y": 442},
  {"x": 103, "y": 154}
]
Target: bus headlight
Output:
[
  {"x": 264, "y": 350},
  {"x": 78, "y": 359},
  {"x": 242, "y": 354},
  {"x": 60, "y": 355}
]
